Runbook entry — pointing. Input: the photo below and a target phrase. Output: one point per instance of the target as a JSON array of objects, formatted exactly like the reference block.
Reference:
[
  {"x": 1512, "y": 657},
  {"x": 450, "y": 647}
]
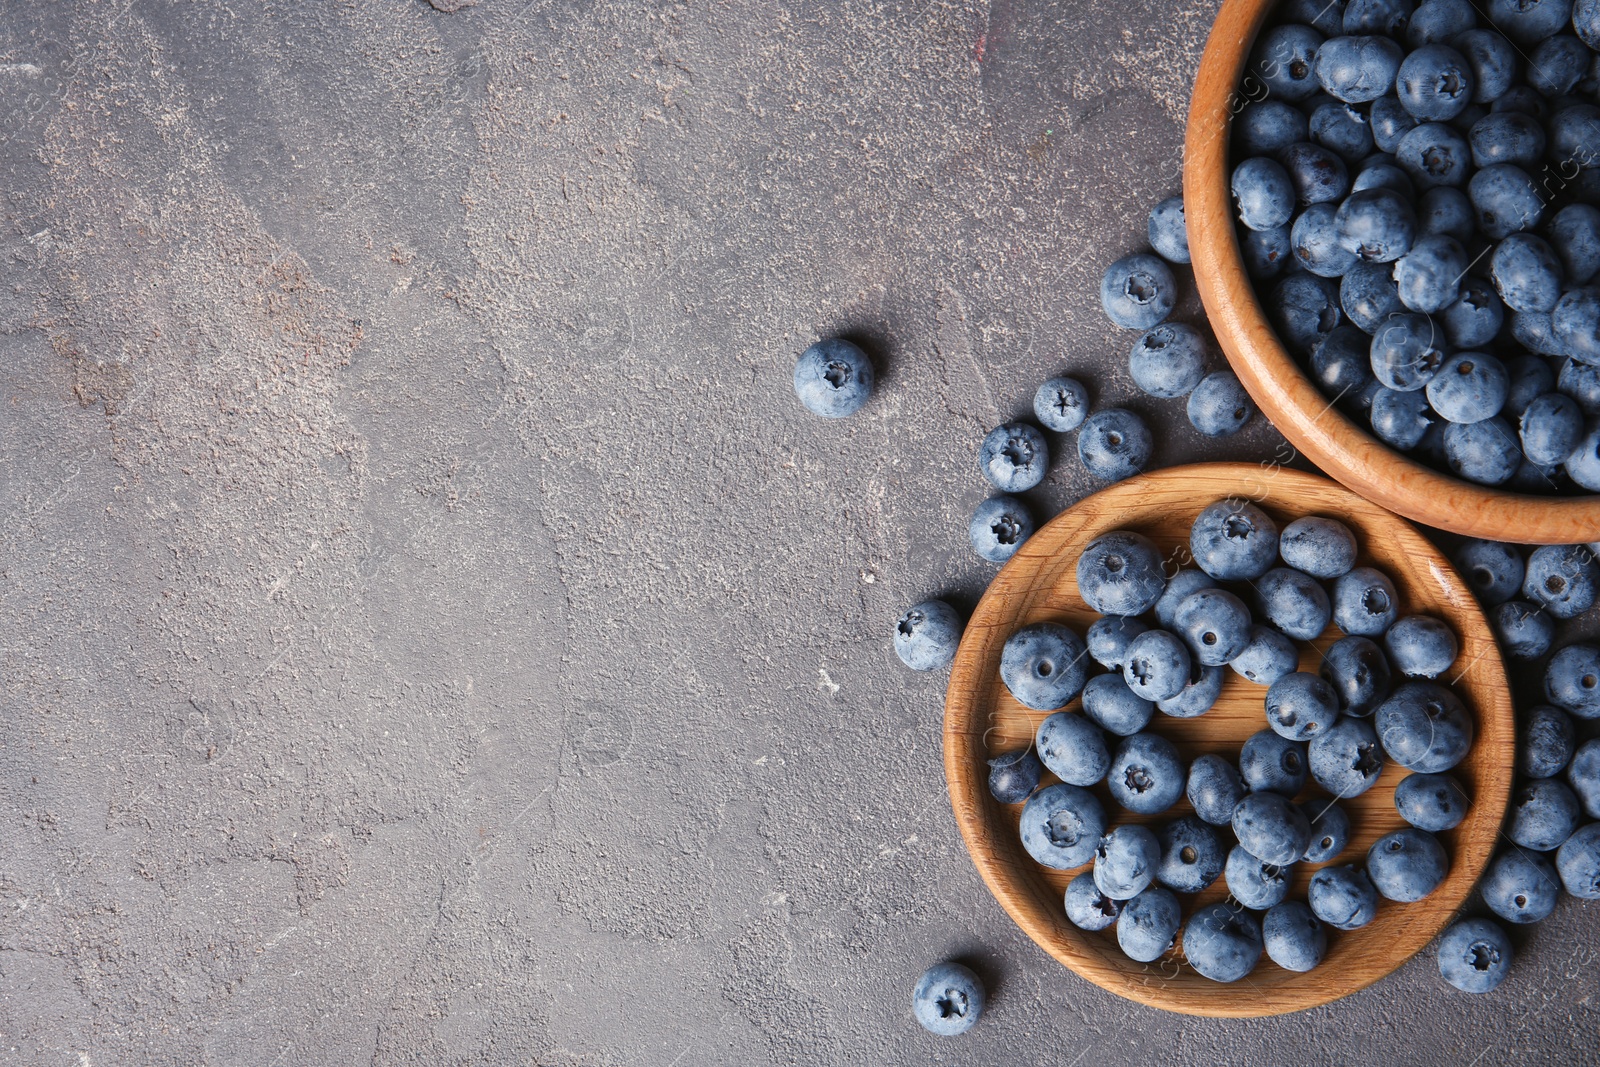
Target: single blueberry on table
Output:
[
  {"x": 1268, "y": 657},
  {"x": 1492, "y": 569},
  {"x": 1119, "y": 573},
  {"x": 1365, "y": 603},
  {"x": 948, "y": 999},
  {"x": 1544, "y": 813},
  {"x": 1359, "y": 673},
  {"x": 1551, "y": 428},
  {"x": 1061, "y": 825},
  {"x": 1253, "y": 882},
  {"x": 1264, "y": 127},
  {"x": 1219, "y": 405},
  {"x": 1343, "y": 897},
  {"x": 1424, "y": 727},
  {"x": 1357, "y": 69},
  {"x": 1043, "y": 665},
  {"x": 1266, "y": 252},
  {"x": 1572, "y": 680},
  {"x": 1341, "y": 363},
  {"x": 1271, "y": 763},
  {"x": 1168, "y": 234},
  {"x": 1263, "y": 194},
  {"x": 1294, "y": 602},
  {"x": 1321, "y": 547},
  {"x": 1521, "y": 886},
  {"x": 1557, "y": 64},
  {"x": 1317, "y": 174},
  {"x": 1301, "y": 706},
  {"x": 1192, "y": 855},
  {"x": 1222, "y": 943},
  {"x": 1285, "y": 60},
  {"x": 1576, "y": 322},
  {"x": 1108, "y": 639},
  {"x": 1487, "y": 452},
  {"x": 1125, "y": 861},
  {"x": 1505, "y": 200},
  {"x": 1215, "y": 625},
  {"x": 927, "y": 635},
  {"x": 1215, "y": 789},
  {"x": 1376, "y": 225},
  {"x": 1437, "y": 21},
  {"x": 1138, "y": 291},
  {"x": 1073, "y": 748},
  {"x": 1087, "y": 907},
  {"x": 998, "y": 528},
  {"x": 1271, "y": 828},
  {"x": 1507, "y": 137},
  {"x": 1493, "y": 61},
  {"x": 1407, "y": 865},
  {"x": 1111, "y": 705},
  {"x": 1342, "y": 129},
  {"x": 1014, "y": 457},
  {"x": 1198, "y": 694},
  {"x": 1401, "y": 419},
  {"x": 1446, "y": 211},
  {"x": 1474, "y": 955},
  {"x": 1476, "y": 316},
  {"x": 1428, "y": 278},
  {"x": 1377, "y": 16},
  {"x": 1435, "y": 83},
  {"x": 1187, "y": 581},
  {"x": 833, "y": 378},
  {"x": 1526, "y": 273},
  {"x": 1114, "y": 444},
  {"x": 1168, "y": 360},
  {"x": 1294, "y": 937},
  {"x": 1434, "y": 154},
  {"x": 1013, "y": 776},
  {"x": 1061, "y": 404},
  {"x": 1583, "y": 774},
  {"x": 1390, "y": 122},
  {"x": 1578, "y": 863},
  {"x": 1575, "y": 236},
  {"x": 1330, "y": 829},
  {"x": 1149, "y": 924},
  {"x": 1545, "y": 742},
  {"x": 1420, "y": 646},
  {"x": 1347, "y": 760},
  {"x": 1563, "y": 579},
  {"x": 1234, "y": 540},
  {"x": 1147, "y": 777},
  {"x": 1432, "y": 802},
  {"x": 1531, "y": 378},
  {"x": 1407, "y": 352}
]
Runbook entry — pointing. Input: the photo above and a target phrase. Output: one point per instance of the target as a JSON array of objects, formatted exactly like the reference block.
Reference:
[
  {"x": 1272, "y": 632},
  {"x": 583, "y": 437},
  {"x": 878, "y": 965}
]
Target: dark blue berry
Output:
[
  {"x": 1255, "y": 883},
  {"x": 1321, "y": 547},
  {"x": 1390, "y": 122},
  {"x": 1222, "y": 943},
  {"x": 1432, "y": 802},
  {"x": 1168, "y": 360},
  {"x": 1294, "y": 937},
  {"x": 1013, "y": 776},
  {"x": 1192, "y": 855},
  {"x": 1525, "y": 630},
  {"x": 1424, "y": 727},
  {"x": 1475, "y": 318},
  {"x": 1108, "y": 639},
  {"x": 1109, "y": 702},
  {"x": 1149, "y": 924},
  {"x": 1356, "y": 68},
  {"x": 1343, "y": 897},
  {"x": 1219, "y": 405},
  {"x": 1521, "y": 886},
  {"x": 1014, "y": 457},
  {"x": 1551, "y": 428},
  {"x": 1317, "y": 174},
  {"x": 1364, "y": 602},
  {"x": 1119, "y": 573},
  {"x": 1545, "y": 742},
  {"x": 1435, "y": 83},
  {"x": 1493, "y": 62},
  {"x": 1314, "y": 239},
  {"x": 1072, "y": 748},
  {"x": 1347, "y": 760},
  {"x": 1233, "y": 540},
  {"x": 1578, "y": 863},
  {"x": 833, "y": 378},
  {"x": 1583, "y": 774},
  {"x": 1215, "y": 789},
  {"x": 1474, "y": 955},
  {"x": 1061, "y": 825},
  {"x": 1215, "y": 624},
  {"x": 1575, "y": 236},
  {"x": 1147, "y": 777},
  {"x": 1446, "y": 211},
  {"x": 1486, "y": 452},
  {"x": 927, "y": 635},
  {"x": 1114, "y": 444},
  {"x": 1470, "y": 387},
  {"x": 1044, "y": 665},
  {"x": 1507, "y": 137},
  {"x": 1529, "y": 21},
  {"x": 1330, "y": 829},
  {"x": 1376, "y": 225},
  {"x": 1342, "y": 129},
  {"x": 948, "y": 999},
  {"x": 1271, "y": 763},
  {"x": 1167, "y": 232},
  {"x": 1526, "y": 273},
  {"x": 1576, "y": 323},
  {"x": 1494, "y": 570},
  {"x": 1305, "y": 309},
  {"x": 1294, "y": 602},
  {"x": 1359, "y": 673},
  {"x": 1263, "y": 195},
  {"x": 1061, "y": 404},
  {"x": 998, "y": 528},
  {"x": 1087, "y": 907},
  {"x": 1544, "y": 813},
  {"x": 1434, "y": 154},
  {"x": 1265, "y": 127},
  {"x": 1125, "y": 861},
  {"x": 1505, "y": 200},
  {"x": 1285, "y": 60},
  {"x": 1138, "y": 291},
  {"x": 1407, "y": 865},
  {"x": 1562, "y": 579},
  {"x": 1301, "y": 706},
  {"x": 1572, "y": 680}
]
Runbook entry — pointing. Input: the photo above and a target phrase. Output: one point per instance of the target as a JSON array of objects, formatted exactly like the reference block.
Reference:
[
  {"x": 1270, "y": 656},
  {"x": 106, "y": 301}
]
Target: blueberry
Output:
[
  {"x": 1521, "y": 99},
  {"x": 1428, "y": 278},
  {"x": 1186, "y": 582},
  {"x": 1061, "y": 404},
  {"x": 1267, "y": 126},
  {"x": 1562, "y": 579},
  {"x": 998, "y": 528},
  {"x": 1073, "y": 748},
  {"x": 1368, "y": 295},
  {"x": 1347, "y": 760},
  {"x": 1043, "y": 665},
  {"x": 1526, "y": 273},
  {"x": 1493, "y": 570},
  {"x": 1529, "y": 21},
  {"x": 833, "y": 378},
  {"x": 1343, "y": 130},
  {"x": 1149, "y": 924},
  {"x": 1167, "y": 232},
  {"x": 1294, "y": 602},
  {"x": 1545, "y": 742},
  {"x": 1434, "y": 154},
  {"x": 1324, "y": 16},
  {"x": 1493, "y": 62},
  {"x": 1476, "y": 316},
  {"x": 1301, "y": 706},
  {"x": 1271, "y": 763},
  {"x": 1356, "y": 69},
  {"x": 1544, "y": 813},
  {"x": 1578, "y": 862},
  {"x": 1114, "y": 444},
  {"x": 1407, "y": 351},
  {"x": 1446, "y": 211},
  {"x": 1572, "y": 143},
  {"x": 1505, "y": 200},
  {"x": 927, "y": 635},
  {"x": 1271, "y": 828},
  {"x": 1434, "y": 83},
  {"x": 1119, "y": 573},
  {"x": 1359, "y": 673},
  {"x": 1531, "y": 377},
  {"x": 1219, "y": 405},
  {"x": 1125, "y": 861},
  {"x": 1263, "y": 194},
  {"x": 1581, "y": 381},
  {"x": 1576, "y": 322},
  {"x": 1256, "y": 884},
  {"x": 1575, "y": 236},
  {"x": 1401, "y": 419},
  {"x": 1343, "y": 897},
  {"x": 1109, "y": 703},
  {"x": 1146, "y": 775},
  {"x": 1014, "y": 457},
  {"x": 1557, "y": 64},
  {"x": 1572, "y": 680},
  {"x": 1314, "y": 240},
  {"x": 1087, "y": 907},
  {"x": 1234, "y": 540},
  {"x": 1383, "y": 175},
  {"x": 1424, "y": 727},
  {"x": 1583, "y": 774},
  {"x": 1439, "y": 20},
  {"x": 1390, "y": 122},
  {"x": 1420, "y": 646},
  {"x": 1534, "y": 331},
  {"x": 1268, "y": 657},
  {"x": 1215, "y": 624},
  {"x": 1168, "y": 360},
  {"x": 1266, "y": 252},
  {"x": 1215, "y": 789},
  {"x": 1486, "y": 452},
  {"x": 1013, "y": 776},
  {"x": 1364, "y": 602},
  {"x": 1377, "y": 16},
  {"x": 1321, "y": 547},
  {"x": 1138, "y": 291},
  {"x": 1285, "y": 60},
  {"x": 948, "y": 999},
  {"x": 1061, "y": 825},
  {"x": 1585, "y": 22},
  {"x": 1507, "y": 137},
  {"x": 1305, "y": 309},
  {"x": 1407, "y": 865},
  {"x": 1108, "y": 639},
  {"x": 1317, "y": 174},
  {"x": 1376, "y": 225},
  {"x": 1293, "y": 936},
  {"x": 1330, "y": 829},
  {"x": 1532, "y": 478},
  {"x": 1552, "y": 426},
  {"x": 1521, "y": 886},
  {"x": 1222, "y": 943},
  {"x": 1474, "y": 955},
  {"x": 1192, "y": 855},
  {"x": 1197, "y": 696}
]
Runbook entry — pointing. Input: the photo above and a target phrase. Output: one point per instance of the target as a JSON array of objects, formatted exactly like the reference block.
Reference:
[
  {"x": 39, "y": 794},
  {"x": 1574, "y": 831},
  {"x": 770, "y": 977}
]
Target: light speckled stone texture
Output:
[{"x": 436, "y": 634}]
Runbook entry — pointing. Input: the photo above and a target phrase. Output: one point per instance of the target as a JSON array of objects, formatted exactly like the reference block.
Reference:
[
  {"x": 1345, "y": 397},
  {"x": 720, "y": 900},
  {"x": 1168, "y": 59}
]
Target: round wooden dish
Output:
[
  {"x": 982, "y": 719},
  {"x": 1284, "y": 393}
]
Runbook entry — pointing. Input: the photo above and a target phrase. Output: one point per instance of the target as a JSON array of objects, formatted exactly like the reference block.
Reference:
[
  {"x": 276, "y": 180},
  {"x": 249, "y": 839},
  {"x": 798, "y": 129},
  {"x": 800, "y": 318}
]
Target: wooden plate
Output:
[
  {"x": 1274, "y": 379},
  {"x": 982, "y": 719}
]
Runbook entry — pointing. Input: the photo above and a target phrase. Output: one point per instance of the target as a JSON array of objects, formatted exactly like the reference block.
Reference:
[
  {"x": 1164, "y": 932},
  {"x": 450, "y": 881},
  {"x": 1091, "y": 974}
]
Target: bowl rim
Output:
[{"x": 1274, "y": 380}]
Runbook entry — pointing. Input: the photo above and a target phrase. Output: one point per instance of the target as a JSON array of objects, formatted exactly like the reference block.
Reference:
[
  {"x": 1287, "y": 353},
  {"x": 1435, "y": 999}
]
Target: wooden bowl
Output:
[
  {"x": 1343, "y": 449},
  {"x": 982, "y": 720}
]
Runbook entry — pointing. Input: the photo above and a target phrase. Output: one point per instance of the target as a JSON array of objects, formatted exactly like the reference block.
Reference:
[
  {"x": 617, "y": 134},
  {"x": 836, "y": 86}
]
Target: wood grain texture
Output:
[
  {"x": 982, "y": 719},
  {"x": 1343, "y": 449}
]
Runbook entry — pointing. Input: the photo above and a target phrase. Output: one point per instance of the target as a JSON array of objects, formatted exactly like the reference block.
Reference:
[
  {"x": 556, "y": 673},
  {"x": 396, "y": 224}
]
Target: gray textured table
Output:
[{"x": 435, "y": 634}]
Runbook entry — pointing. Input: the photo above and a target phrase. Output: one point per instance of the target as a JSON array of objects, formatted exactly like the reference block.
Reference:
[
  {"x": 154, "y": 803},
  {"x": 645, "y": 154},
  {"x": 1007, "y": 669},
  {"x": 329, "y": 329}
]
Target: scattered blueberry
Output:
[
  {"x": 1114, "y": 444},
  {"x": 1147, "y": 777},
  {"x": 1420, "y": 646},
  {"x": 1219, "y": 405},
  {"x": 1168, "y": 360},
  {"x": 1233, "y": 539},
  {"x": 1061, "y": 825},
  {"x": 1042, "y": 665},
  {"x": 1572, "y": 680},
  {"x": 1061, "y": 404},
  {"x": 1431, "y": 802},
  {"x": 1138, "y": 291},
  {"x": 998, "y": 528},
  {"x": 1272, "y": 763},
  {"x": 1014, "y": 457},
  {"x": 1583, "y": 774},
  {"x": 1119, "y": 573},
  {"x": 1215, "y": 788},
  {"x": 1521, "y": 886},
  {"x": 1262, "y": 194},
  {"x": 1343, "y": 897},
  {"x": 948, "y": 999},
  {"x": 1578, "y": 862},
  {"x": 1474, "y": 955},
  {"x": 1087, "y": 907},
  {"x": 1544, "y": 813},
  {"x": 1407, "y": 865},
  {"x": 1168, "y": 234},
  {"x": 1013, "y": 776},
  {"x": 927, "y": 635},
  {"x": 1222, "y": 943},
  {"x": 1546, "y": 742},
  {"x": 833, "y": 378},
  {"x": 1294, "y": 937},
  {"x": 1424, "y": 727}
]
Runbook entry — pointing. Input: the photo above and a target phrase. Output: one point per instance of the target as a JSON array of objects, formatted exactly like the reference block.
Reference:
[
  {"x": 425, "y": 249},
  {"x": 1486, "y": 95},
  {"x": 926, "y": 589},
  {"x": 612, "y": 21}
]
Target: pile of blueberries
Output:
[{"x": 1417, "y": 191}]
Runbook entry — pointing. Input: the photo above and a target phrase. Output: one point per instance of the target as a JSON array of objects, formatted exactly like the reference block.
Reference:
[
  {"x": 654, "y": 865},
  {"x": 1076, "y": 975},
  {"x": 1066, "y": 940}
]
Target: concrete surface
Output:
[{"x": 435, "y": 634}]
